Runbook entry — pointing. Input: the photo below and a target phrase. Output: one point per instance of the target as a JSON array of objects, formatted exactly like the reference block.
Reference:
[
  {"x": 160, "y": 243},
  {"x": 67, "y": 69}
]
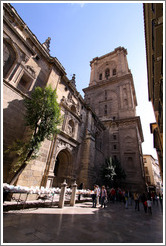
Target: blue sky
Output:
[{"x": 81, "y": 31}]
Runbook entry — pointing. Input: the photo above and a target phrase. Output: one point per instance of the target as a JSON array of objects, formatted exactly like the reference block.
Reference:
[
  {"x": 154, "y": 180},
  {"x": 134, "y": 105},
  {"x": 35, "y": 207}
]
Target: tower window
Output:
[
  {"x": 105, "y": 110},
  {"x": 100, "y": 76},
  {"x": 107, "y": 73},
  {"x": 115, "y": 146},
  {"x": 105, "y": 95},
  {"x": 114, "y": 72},
  {"x": 114, "y": 137},
  {"x": 125, "y": 103}
]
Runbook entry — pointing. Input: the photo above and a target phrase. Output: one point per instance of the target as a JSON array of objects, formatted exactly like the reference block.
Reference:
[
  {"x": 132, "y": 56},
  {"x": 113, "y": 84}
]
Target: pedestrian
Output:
[
  {"x": 156, "y": 198},
  {"x": 144, "y": 202},
  {"x": 94, "y": 196},
  {"x": 103, "y": 196},
  {"x": 80, "y": 188},
  {"x": 160, "y": 199},
  {"x": 136, "y": 199},
  {"x": 98, "y": 194},
  {"x": 126, "y": 199},
  {"x": 123, "y": 196},
  {"x": 129, "y": 198},
  {"x": 112, "y": 194},
  {"x": 153, "y": 197},
  {"x": 149, "y": 204}
]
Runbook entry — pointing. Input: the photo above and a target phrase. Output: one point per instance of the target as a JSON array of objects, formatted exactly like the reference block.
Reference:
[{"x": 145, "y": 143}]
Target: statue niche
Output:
[{"x": 70, "y": 129}]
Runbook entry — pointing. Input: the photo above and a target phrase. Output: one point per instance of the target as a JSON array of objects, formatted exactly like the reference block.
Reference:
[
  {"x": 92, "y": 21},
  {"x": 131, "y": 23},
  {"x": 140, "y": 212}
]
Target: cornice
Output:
[
  {"x": 110, "y": 53},
  {"x": 107, "y": 82},
  {"x": 65, "y": 137},
  {"x": 9, "y": 85},
  {"x": 99, "y": 122},
  {"x": 128, "y": 121},
  {"x": 10, "y": 9}
]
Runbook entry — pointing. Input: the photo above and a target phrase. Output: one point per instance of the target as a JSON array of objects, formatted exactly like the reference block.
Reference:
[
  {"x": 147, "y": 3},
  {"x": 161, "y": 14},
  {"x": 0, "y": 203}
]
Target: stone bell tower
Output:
[{"x": 111, "y": 95}]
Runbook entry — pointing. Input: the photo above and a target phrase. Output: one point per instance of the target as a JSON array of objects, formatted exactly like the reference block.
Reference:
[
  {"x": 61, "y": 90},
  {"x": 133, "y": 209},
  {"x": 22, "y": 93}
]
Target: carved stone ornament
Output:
[
  {"x": 63, "y": 145},
  {"x": 30, "y": 69}
]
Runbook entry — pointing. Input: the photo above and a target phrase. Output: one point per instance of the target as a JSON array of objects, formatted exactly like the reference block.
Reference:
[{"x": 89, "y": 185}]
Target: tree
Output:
[
  {"x": 112, "y": 173},
  {"x": 42, "y": 117},
  {"x": 120, "y": 173}
]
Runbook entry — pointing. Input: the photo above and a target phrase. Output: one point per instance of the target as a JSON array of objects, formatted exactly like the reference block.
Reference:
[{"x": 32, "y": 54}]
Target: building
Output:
[
  {"x": 153, "y": 22},
  {"x": 152, "y": 174},
  {"x": 111, "y": 95},
  {"x": 87, "y": 136}
]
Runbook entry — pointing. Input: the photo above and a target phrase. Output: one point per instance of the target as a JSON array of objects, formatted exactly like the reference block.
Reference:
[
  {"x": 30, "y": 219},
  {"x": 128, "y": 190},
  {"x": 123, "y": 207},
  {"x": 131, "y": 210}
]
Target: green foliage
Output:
[
  {"x": 112, "y": 173},
  {"x": 120, "y": 173},
  {"x": 42, "y": 113},
  {"x": 42, "y": 116}
]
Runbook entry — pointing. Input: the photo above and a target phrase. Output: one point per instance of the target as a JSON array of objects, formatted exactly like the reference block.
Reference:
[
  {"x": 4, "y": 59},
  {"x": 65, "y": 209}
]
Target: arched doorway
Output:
[{"x": 63, "y": 168}]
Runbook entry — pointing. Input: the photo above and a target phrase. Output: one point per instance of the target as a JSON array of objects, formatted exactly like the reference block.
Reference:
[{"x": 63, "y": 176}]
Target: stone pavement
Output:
[{"x": 84, "y": 224}]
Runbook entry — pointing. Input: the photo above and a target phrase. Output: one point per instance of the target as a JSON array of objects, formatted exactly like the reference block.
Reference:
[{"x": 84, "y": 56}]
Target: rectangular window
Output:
[
  {"x": 148, "y": 179},
  {"x": 114, "y": 136},
  {"x": 146, "y": 171},
  {"x": 105, "y": 95},
  {"x": 24, "y": 83},
  {"x": 105, "y": 110},
  {"x": 114, "y": 146}
]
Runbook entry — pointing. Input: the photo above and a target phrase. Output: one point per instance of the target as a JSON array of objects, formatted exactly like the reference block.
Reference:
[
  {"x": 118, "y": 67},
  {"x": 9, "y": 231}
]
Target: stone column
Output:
[
  {"x": 73, "y": 195},
  {"x": 62, "y": 194}
]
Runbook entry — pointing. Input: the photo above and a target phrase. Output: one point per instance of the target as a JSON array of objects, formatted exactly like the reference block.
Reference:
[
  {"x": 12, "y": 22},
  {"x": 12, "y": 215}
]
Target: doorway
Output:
[{"x": 63, "y": 168}]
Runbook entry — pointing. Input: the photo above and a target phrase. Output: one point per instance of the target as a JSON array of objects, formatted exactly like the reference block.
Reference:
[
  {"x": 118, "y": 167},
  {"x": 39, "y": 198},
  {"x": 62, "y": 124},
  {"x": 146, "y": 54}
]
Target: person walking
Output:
[
  {"x": 160, "y": 199},
  {"x": 126, "y": 199},
  {"x": 136, "y": 199},
  {"x": 80, "y": 188},
  {"x": 156, "y": 198},
  {"x": 98, "y": 195},
  {"x": 130, "y": 198},
  {"x": 112, "y": 195},
  {"x": 149, "y": 204},
  {"x": 144, "y": 202},
  {"x": 103, "y": 196},
  {"x": 94, "y": 197}
]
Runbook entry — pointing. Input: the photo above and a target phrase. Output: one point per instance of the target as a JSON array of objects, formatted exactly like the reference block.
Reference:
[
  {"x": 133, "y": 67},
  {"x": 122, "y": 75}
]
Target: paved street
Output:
[{"x": 84, "y": 224}]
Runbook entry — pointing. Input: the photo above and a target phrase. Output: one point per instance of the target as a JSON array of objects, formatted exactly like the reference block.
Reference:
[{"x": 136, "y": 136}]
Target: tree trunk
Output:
[
  {"x": 17, "y": 174},
  {"x": 20, "y": 170}
]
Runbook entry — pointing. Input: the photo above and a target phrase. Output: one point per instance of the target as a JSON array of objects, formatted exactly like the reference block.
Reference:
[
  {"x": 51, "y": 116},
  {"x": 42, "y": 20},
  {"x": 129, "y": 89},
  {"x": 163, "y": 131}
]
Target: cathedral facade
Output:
[{"x": 101, "y": 125}]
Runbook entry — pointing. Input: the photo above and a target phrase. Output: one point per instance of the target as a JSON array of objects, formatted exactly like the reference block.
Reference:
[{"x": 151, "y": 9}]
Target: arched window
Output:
[
  {"x": 114, "y": 72},
  {"x": 9, "y": 58},
  {"x": 107, "y": 73}
]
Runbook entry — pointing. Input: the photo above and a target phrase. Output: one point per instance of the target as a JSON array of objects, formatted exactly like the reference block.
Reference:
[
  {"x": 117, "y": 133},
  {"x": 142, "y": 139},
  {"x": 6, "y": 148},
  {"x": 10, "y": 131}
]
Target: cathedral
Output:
[{"x": 100, "y": 125}]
